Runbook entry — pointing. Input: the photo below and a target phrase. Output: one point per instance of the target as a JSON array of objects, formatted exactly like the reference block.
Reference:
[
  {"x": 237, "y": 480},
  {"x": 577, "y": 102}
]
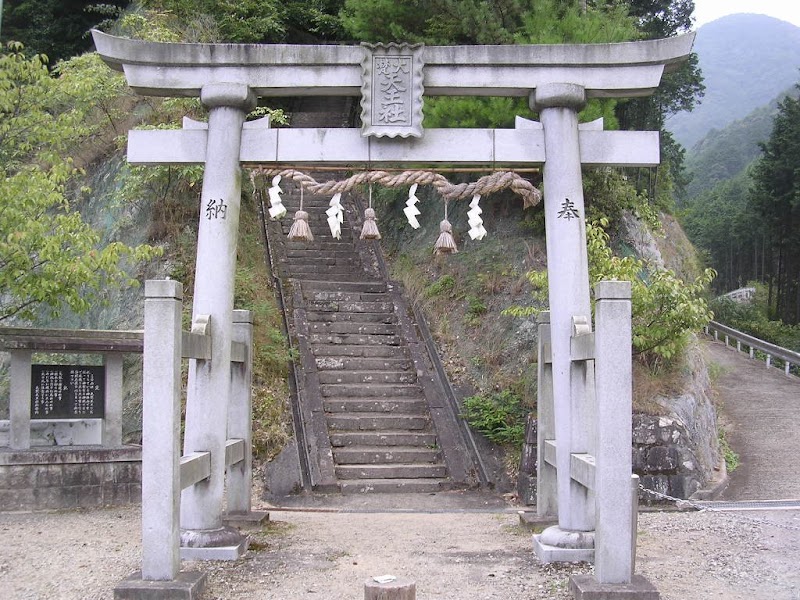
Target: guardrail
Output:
[{"x": 788, "y": 357}]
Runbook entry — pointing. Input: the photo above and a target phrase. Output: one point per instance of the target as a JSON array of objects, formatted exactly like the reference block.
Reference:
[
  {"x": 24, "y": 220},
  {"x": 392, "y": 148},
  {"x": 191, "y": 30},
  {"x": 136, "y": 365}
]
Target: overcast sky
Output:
[{"x": 709, "y": 10}]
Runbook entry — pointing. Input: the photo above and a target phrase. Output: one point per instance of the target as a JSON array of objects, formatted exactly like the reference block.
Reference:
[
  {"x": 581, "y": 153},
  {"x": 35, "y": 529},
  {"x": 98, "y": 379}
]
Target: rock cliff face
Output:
[{"x": 677, "y": 453}]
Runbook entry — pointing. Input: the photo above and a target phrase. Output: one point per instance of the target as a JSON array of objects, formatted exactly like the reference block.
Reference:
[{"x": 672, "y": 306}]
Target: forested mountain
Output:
[
  {"x": 747, "y": 60},
  {"x": 724, "y": 153}
]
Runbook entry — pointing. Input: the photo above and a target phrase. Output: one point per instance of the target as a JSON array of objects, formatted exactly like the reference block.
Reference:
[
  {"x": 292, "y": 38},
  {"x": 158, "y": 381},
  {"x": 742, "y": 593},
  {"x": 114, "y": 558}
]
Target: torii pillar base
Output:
[
  {"x": 586, "y": 587},
  {"x": 188, "y": 585},
  {"x": 558, "y": 545}
]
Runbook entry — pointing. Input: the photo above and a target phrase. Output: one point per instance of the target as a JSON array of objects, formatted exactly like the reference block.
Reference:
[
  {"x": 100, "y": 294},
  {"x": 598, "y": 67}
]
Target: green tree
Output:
[
  {"x": 56, "y": 28},
  {"x": 249, "y": 21},
  {"x": 664, "y": 308},
  {"x": 775, "y": 196},
  {"x": 49, "y": 258}
]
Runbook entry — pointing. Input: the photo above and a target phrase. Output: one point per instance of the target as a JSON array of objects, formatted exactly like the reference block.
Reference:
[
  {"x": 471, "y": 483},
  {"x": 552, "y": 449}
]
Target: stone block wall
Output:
[
  {"x": 663, "y": 457},
  {"x": 70, "y": 477}
]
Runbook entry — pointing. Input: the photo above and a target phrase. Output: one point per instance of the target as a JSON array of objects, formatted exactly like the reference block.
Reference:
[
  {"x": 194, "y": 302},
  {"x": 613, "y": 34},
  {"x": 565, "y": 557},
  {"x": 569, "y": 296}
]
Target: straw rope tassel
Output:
[
  {"x": 370, "y": 229},
  {"x": 300, "y": 231},
  {"x": 445, "y": 244}
]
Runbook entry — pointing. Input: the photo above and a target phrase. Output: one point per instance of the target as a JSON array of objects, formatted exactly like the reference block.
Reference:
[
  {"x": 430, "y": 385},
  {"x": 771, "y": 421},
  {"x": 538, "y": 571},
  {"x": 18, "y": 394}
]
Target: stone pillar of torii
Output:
[{"x": 391, "y": 80}]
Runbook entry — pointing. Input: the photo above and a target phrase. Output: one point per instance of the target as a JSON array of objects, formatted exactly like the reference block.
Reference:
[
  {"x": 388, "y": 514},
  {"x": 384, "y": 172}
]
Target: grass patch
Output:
[
  {"x": 731, "y": 458},
  {"x": 499, "y": 416},
  {"x": 271, "y": 356}
]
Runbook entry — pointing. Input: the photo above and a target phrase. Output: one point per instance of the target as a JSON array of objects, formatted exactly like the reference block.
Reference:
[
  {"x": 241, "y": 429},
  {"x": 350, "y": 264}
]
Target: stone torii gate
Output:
[{"x": 391, "y": 81}]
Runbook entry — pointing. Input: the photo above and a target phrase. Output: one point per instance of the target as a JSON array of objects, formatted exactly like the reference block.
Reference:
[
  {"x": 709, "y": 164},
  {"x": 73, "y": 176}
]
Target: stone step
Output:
[
  {"x": 314, "y": 216},
  {"x": 364, "y": 351},
  {"x": 356, "y": 318},
  {"x": 324, "y": 246},
  {"x": 393, "y": 486},
  {"x": 367, "y": 455},
  {"x": 370, "y": 390},
  {"x": 351, "y": 307},
  {"x": 368, "y": 377},
  {"x": 303, "y": 271},
  {"x": 333, "y": 277},
  {"x": 322, "y": 235},
  {"x": 393, "y": 471},
  {"x": 292, "y": 202},
  {"x": 406, "y": 406},
  {"x": 349, "y": 327},
  {"x": 363, "y": 287},
  {"x": 367, "y": 421},
  {"x": 346, "y": 295},
  {"x": 322, "y": 259},
  {"x": 383, "y": 438},
  {"x": 354, "y": 339},
  {"x": 340, "y": 364},
  {"x": 342, "y": 253}
]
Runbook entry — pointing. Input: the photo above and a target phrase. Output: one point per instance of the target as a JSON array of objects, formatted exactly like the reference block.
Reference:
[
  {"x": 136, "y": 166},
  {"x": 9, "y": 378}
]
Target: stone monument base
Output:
[
  {"x": 189, "y": 585},
  {"x": 586, "y": 587}
]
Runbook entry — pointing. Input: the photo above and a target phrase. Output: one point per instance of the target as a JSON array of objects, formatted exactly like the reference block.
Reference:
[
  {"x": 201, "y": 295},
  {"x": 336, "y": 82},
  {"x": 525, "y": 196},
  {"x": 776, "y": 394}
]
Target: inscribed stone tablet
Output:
[{"x": 391, "y": 90}]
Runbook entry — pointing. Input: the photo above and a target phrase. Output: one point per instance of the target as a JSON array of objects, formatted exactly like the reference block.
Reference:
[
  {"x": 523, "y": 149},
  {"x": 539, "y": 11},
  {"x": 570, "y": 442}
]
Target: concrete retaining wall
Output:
[{"x": 59, "y": 478}]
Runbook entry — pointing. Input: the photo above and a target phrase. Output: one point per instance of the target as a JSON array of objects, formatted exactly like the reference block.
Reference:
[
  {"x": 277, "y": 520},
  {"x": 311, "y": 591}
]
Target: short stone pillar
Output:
[
  {"x": 20, "y": 400},
  {"x": 613, "y": 390},
  {"x": 161, "y": 430},
  {"x": 398, "y": 589}
]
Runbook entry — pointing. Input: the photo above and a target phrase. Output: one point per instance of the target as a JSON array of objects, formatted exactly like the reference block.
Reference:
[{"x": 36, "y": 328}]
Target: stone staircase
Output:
[
  {"x": 369, "y": 424},
  {"x": 372, "y": 412}
]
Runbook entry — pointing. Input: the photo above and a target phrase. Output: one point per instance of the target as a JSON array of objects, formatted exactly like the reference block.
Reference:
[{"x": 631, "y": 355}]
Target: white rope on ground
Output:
[{"x": 487, "y": 184}]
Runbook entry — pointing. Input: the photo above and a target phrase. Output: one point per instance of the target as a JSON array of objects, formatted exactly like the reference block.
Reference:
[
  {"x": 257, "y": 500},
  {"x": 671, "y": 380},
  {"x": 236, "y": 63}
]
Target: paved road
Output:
[{"x": 762, "y": 407}]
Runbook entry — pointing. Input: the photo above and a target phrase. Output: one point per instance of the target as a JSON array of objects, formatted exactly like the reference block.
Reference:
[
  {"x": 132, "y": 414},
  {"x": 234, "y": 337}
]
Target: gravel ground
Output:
[{"x": 464, "y": 555}]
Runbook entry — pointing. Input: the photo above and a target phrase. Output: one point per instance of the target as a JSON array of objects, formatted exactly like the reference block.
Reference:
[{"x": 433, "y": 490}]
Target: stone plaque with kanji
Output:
[
  {"x": 391, "y": 90},
  {"x": 67, "y": 392}
]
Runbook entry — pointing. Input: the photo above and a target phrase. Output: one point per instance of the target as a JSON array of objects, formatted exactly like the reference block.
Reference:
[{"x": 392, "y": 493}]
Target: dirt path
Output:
[
  {"x": 762, "y": 408},
  {"x": 82, "y": 555}
]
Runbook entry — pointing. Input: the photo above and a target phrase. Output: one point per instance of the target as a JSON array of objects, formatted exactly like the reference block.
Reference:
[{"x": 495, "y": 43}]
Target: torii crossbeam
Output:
[{"x": 556, "y": 79}]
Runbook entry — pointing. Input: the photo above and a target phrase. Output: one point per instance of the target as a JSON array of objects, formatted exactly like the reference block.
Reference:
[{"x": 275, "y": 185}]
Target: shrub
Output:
[{"x": 499, "y": 416}]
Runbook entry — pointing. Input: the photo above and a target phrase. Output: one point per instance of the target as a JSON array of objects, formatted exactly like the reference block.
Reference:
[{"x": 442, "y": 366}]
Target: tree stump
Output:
[{"x": 399, "y": 589}]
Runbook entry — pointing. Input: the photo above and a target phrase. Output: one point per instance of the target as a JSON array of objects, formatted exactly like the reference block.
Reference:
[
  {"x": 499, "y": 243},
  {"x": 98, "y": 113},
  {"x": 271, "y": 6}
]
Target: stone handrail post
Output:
[
  {"x": 613, "y": 393},
  {"x": 546, "y": 489},
  {"x": 240, "y": 416},
  {"x": 161, "y": 421}
]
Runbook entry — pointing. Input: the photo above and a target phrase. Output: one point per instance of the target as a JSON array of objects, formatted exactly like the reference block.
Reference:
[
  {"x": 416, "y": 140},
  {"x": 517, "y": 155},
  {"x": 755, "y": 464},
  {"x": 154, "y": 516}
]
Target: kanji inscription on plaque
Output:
[
  {"x": 67, "y": 391},
  {"x": 391, "y": 90}
]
